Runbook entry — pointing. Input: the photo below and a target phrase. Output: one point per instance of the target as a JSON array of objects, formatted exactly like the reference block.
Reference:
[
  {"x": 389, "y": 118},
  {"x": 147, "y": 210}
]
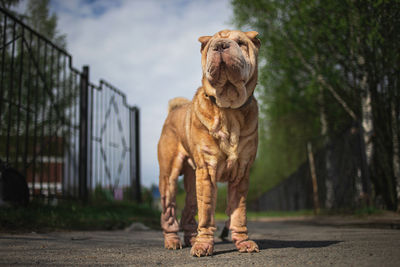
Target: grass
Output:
[
  {"x": 112, "y": 215},
  {"x": 254, "y": 215},
  {"x": 369, "y": 210},
  {"x": 75, "y": 216},
  {"x": 251, "y": 215}
]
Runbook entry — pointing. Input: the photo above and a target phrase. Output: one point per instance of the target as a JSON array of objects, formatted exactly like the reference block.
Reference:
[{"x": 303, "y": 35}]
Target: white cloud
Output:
[{"x": 147, "y": 49}]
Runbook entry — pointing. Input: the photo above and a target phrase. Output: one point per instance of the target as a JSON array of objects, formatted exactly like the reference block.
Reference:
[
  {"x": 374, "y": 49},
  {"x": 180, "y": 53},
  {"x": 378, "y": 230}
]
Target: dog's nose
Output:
[{"x": 221, "y": 46}]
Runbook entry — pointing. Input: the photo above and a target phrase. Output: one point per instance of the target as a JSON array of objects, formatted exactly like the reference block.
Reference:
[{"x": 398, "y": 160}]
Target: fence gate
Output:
[{"x": 66, "y": 135}]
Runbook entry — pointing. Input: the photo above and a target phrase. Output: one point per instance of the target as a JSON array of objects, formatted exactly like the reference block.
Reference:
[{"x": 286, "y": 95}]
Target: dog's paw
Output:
[
  {"x": 172, "y": 242},
  {"x": 247, "y": 246},
  {"x": 200, "y": 249}
]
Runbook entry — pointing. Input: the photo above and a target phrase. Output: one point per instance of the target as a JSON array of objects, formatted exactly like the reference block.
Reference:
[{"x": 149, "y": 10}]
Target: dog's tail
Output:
[{"x": 177, "y": 102}]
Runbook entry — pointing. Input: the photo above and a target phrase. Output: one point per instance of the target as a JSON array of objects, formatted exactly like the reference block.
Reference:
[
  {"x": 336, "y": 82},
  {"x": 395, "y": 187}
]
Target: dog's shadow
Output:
[
  {"x": 264, "y": 244},
  {"x": 269, "y": 243}
]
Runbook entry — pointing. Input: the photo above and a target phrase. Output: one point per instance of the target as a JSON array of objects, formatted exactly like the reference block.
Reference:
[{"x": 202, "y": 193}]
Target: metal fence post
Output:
[
  {"x": 83, "y": 134},
  {"x": 135, "y": 153}
]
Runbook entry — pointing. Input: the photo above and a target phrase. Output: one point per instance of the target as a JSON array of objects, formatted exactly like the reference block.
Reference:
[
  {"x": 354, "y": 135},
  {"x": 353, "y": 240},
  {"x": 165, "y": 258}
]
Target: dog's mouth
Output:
[
  {"x": 227, "y": 72},
  {"x": 223, "y": 67}
]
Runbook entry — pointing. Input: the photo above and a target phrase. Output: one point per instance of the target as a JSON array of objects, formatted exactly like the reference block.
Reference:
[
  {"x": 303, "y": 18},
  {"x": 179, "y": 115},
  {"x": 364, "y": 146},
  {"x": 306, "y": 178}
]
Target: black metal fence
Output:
[
  {"x": 339, "y": 174},
  {"x": 66, "y": 135}
]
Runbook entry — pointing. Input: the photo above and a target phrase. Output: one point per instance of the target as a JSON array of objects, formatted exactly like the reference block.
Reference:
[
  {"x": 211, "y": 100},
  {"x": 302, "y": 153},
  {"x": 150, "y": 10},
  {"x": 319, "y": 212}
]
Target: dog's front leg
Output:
[
  {"x": 237, "y": 194},
  {"x": 206, "y": 190}
]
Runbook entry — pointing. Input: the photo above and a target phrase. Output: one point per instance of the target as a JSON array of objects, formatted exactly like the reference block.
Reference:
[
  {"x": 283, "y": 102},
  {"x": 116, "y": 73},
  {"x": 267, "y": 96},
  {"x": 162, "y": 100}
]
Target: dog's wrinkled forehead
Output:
[
  {"x": 234, "y": 35},
  {"x": 231, "y": 35},
  {"x": 224, "y": 33}
]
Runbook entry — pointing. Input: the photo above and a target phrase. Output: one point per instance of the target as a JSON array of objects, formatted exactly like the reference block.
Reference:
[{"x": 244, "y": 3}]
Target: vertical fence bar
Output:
[
  {"x": 28, "y": 109},
  {"x": 72, "y": 116},
  {"x": 57, "y": 122},
  {"x": 103, "y": 139},
  {"x": 137, "y": 156},
  {"x": 83, "y": 134},
  {"x": 98, "y": 173},
  {"x": 91, "y": 137},
  {"x": 135, "y": 153},
  {"x": 43, "y": 119},
  {"x": 63, "y": 129},
  {"x": 106, "y": 140},
  {"x": 3, "y": 54},
  {"x": 36, "y": 114},
  {"x": 10, "y": 95},
  {"x": 68, "y": 132},
  {"x": 132, "y": 168},
  {"x": 75, "y": 121},
  {"x": 49, "y": 134},
  {"x": 110, "y": 158},
  {"x": 102, "y": 167},
  {"x": 94, "y": 140},
  {"x": 19, "y": 104}
]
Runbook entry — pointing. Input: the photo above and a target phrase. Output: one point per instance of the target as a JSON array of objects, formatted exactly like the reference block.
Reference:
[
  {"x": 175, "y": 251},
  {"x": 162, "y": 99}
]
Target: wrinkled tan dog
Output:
[{"x": 211, "y": 139}]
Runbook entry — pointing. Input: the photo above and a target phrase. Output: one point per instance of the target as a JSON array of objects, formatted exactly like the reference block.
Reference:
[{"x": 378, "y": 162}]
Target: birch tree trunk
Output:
[
  {"x": 366, "y": 131},
  {"x": 395, "y": 142},
  {"x": 329, "y": 194}
]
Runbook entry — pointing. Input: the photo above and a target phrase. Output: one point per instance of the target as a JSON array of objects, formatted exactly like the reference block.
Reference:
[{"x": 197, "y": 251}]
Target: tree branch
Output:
[{"x": 322, "y": 81}]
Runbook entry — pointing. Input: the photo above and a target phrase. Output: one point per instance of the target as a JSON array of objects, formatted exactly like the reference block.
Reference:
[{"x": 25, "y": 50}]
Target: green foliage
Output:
[
  {"x": 147, "y": 197},
  {"x": 288, "y": 97},
  {"x": 6, "y": 4},
  {"x": 39, "y": 18},
  {"x": 102, "y": 195},
  {"x": 222, "y": 198},
  {"x": 74, "y": 216},
  {"x": 365, "y": 211},
  {"x": 319, "y": 58}
]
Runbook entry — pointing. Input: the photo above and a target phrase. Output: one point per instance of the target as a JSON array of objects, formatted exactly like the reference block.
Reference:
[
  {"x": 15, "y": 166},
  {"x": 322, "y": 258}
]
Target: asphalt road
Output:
[{"x": 281, "y": 244}]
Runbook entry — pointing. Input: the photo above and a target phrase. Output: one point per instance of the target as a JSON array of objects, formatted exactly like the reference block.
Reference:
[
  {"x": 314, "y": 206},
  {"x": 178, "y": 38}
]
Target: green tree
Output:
[
  {"x": 7, "y": 4},
  {"x": 39, "y": 18},
  {"x": 326, "y": 65}
]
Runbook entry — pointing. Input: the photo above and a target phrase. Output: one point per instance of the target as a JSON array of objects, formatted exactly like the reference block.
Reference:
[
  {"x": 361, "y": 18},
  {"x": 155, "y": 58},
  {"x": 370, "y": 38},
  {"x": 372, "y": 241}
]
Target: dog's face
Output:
[{"x": 229, "y": 64}]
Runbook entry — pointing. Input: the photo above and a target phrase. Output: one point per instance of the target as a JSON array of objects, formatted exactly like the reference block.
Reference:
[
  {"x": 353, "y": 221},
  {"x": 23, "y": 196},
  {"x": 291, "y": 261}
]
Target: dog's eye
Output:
[{"x": 241, "y": 43}]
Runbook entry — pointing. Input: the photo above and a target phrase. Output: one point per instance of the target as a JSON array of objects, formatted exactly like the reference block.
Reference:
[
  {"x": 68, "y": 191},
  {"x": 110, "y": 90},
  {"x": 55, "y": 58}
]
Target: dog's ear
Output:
[
  {"x": 204, "y": 40},
  {"x": 252, "y": 35}
]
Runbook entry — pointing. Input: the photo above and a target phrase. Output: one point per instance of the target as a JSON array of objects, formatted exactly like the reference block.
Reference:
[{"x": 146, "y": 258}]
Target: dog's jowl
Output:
[{"x": 211, "y": 139}]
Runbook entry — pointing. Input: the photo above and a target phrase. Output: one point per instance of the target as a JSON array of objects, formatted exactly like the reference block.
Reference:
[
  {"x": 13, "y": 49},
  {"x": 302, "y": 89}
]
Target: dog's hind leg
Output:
[
  {"x": 188, "y": 221},
  {"x": 170, "y": 168}
]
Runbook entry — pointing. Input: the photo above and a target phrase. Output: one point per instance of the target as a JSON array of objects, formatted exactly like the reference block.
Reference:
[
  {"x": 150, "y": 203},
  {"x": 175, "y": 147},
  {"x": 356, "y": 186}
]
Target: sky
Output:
[{"x": 146, "y": 48}]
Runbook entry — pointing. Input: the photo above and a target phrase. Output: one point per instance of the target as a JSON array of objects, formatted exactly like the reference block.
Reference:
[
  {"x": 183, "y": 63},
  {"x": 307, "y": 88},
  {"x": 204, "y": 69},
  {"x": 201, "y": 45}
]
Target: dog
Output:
[{"x": 211, "y": 139}]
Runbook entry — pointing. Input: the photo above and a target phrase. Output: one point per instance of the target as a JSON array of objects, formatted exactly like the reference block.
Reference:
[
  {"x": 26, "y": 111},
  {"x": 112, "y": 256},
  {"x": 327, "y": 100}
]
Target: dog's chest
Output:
[
  {"x": 233, "y": 134},
  {"x": 235, "y": 139}
]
